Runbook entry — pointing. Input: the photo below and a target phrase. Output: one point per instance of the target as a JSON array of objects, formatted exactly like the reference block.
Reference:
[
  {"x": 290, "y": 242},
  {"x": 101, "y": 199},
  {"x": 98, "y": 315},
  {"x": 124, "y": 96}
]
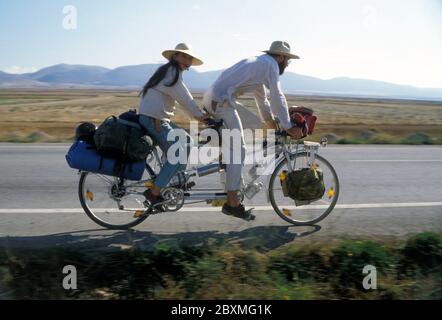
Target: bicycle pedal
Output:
[
  {"x": 158, "y": 207},
  {"x": 152, "y": 210}
]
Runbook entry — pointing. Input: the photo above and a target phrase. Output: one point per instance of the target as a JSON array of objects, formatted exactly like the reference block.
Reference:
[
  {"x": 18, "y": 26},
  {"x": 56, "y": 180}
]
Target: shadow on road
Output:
[{"x": 262, "y": 237}]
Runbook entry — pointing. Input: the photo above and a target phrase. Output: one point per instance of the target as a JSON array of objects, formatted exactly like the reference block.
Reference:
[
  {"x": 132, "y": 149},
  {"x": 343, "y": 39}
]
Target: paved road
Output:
[{"x": 386, "y": 191}]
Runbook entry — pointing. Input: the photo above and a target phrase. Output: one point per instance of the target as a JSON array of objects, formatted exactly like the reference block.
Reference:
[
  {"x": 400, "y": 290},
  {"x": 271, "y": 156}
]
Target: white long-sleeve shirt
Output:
[
  {"x": 159, "y": 101},
  {"x": 255, "y": 75}
]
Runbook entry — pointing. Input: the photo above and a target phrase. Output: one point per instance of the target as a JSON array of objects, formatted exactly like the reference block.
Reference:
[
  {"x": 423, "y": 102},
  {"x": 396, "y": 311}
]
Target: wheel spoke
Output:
[
  {"x": 109, "y": 205},
  {"x": 298, "y": 212}
]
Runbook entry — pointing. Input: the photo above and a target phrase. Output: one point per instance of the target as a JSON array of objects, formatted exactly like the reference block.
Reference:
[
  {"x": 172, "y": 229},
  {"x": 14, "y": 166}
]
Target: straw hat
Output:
[
  {"x": 184, "y": 48},
  {"x": 283, "y": 48}
]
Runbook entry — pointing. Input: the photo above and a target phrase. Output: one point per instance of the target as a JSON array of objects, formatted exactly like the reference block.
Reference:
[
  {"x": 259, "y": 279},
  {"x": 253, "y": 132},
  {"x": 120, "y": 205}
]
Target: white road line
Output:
[
  {"x": 329, "y": 147},
  {"x": 257, "y": 208},
  {"x": 382, "y": 147},
  {"x": 393, "y": 160}
]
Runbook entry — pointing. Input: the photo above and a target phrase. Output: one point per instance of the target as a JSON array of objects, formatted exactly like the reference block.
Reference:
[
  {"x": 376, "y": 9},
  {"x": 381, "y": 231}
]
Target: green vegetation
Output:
[{"x": 218, "y": 270}]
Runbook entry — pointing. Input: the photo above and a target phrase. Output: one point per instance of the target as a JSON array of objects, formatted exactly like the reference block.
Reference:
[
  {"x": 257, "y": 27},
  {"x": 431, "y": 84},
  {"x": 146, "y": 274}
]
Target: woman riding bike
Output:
[{"x": 157, "y": 105}]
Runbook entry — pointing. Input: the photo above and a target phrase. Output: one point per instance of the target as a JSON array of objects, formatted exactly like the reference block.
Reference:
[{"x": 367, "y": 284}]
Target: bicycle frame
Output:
[{"x": 283, "y": 151}]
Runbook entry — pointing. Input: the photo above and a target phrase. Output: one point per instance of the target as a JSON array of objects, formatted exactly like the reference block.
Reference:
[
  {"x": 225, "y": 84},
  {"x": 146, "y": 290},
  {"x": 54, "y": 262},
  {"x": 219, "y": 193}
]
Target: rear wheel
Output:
[
  {"x": 110, "y": 203},
  {"x": 303, "y": 214}
]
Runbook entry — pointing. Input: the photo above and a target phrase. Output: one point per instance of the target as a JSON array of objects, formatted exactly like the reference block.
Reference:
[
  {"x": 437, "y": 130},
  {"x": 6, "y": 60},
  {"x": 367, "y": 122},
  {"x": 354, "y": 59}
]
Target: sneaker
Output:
[
  {"x": 238, "y": 212},
  {"x": 154, "y": 201}
]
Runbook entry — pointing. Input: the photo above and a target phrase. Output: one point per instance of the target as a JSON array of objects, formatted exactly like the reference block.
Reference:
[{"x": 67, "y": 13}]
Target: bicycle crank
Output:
[{"x": 174, "y": 199}]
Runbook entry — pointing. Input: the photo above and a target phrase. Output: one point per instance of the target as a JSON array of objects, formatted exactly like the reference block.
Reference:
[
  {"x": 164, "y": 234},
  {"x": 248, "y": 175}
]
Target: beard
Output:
[{"x": 282, "y": 67}]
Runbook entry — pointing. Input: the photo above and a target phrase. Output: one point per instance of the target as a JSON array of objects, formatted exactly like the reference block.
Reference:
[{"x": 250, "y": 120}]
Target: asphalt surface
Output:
[{"x": 386, "y": 191}]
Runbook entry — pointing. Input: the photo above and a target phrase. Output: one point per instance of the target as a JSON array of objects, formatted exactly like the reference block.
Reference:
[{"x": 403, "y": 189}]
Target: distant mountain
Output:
[
  {"x": 72, "y": 74},
  {"x": 19, "y": 81},
  {"x": 6, "y": 76},
  {"x": 296, "y": 83},
  {"x": 134, "y": 76},
  {"x": 83, "y": 76}
]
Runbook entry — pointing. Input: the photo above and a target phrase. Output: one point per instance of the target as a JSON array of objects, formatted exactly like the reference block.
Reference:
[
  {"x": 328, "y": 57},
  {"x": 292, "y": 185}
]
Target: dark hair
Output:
[
  {"x": 160, "y": 74},
  {"x": 280, "y": 66}
]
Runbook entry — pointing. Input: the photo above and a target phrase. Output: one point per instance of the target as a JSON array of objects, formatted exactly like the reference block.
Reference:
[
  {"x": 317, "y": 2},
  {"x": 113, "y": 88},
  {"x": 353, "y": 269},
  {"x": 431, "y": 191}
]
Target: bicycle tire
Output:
[
  {"x": 96, "y": 219},
  {"x": 313, "y": 221}
]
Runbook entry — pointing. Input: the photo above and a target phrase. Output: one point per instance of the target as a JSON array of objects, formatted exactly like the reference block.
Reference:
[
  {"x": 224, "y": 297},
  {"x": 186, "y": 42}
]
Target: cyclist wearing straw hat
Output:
[
  {"x": 253, "y": 75},
  {"x": 157, "y": 105}
]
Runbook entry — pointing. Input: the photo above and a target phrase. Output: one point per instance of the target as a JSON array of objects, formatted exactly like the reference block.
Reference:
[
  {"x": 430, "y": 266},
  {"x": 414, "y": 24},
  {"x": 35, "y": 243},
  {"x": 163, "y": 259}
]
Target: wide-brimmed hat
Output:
[
  {"x": 184, "y": 48},
  {"x": 283, "y": 48}
]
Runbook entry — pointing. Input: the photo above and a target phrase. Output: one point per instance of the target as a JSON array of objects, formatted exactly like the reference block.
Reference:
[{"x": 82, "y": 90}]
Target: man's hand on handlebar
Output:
[{"x": 295, "y": 132}]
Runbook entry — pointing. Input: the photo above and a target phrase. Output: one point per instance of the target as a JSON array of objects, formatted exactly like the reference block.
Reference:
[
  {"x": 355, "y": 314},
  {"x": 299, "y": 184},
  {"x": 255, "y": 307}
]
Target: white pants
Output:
[{"x": 234, "y": 117}]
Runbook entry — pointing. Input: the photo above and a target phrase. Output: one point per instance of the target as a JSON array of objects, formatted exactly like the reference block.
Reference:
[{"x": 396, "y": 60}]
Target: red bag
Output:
[{"x": 303, "y": 118}]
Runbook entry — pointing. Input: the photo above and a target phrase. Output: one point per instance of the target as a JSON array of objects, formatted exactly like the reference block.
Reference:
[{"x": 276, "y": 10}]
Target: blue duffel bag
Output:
[{"x": 83, "y": 156}]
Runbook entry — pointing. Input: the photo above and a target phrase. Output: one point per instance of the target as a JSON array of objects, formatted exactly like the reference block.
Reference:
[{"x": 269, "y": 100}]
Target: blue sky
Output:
[{"x": 395, "y": 41}]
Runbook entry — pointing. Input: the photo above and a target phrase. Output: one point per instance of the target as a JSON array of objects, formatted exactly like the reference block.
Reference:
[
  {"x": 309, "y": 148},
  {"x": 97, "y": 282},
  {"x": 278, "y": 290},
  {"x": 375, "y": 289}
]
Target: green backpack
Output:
[
  {"x": 120, "y": 139},
  {"x": 305, "y": 184}
]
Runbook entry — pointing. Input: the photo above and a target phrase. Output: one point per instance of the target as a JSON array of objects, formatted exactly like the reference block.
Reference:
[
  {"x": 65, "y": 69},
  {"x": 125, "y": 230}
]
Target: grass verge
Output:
[{"x": 217, "y": 270}]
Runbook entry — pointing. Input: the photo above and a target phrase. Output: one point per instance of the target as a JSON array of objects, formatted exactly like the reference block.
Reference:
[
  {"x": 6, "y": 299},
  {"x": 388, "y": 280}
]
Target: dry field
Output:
[{"x": 51, "y": 116}]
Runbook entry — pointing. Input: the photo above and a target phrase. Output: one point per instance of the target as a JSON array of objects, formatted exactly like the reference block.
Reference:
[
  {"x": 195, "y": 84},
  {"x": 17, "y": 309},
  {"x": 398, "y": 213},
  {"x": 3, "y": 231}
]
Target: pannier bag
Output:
[
  {"x": 122, "y": 139},
  {"x": 83, "y": 156},
  {"x": 303, "y": 118},
  {"x": 306, "y": 184}
]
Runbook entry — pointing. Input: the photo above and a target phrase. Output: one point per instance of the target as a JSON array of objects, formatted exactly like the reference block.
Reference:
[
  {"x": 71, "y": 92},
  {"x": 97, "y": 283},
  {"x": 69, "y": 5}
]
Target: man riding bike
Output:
[{"x": 254, "y": 75}]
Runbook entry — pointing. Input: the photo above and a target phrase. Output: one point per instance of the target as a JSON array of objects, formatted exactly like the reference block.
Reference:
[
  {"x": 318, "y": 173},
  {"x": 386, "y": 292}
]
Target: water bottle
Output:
[{"x": 252, "y": 189}]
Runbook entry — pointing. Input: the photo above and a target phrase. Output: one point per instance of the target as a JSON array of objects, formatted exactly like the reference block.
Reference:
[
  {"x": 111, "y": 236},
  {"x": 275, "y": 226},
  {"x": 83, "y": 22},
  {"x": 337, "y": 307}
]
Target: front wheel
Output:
[{"x": 307, "y": 213}]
